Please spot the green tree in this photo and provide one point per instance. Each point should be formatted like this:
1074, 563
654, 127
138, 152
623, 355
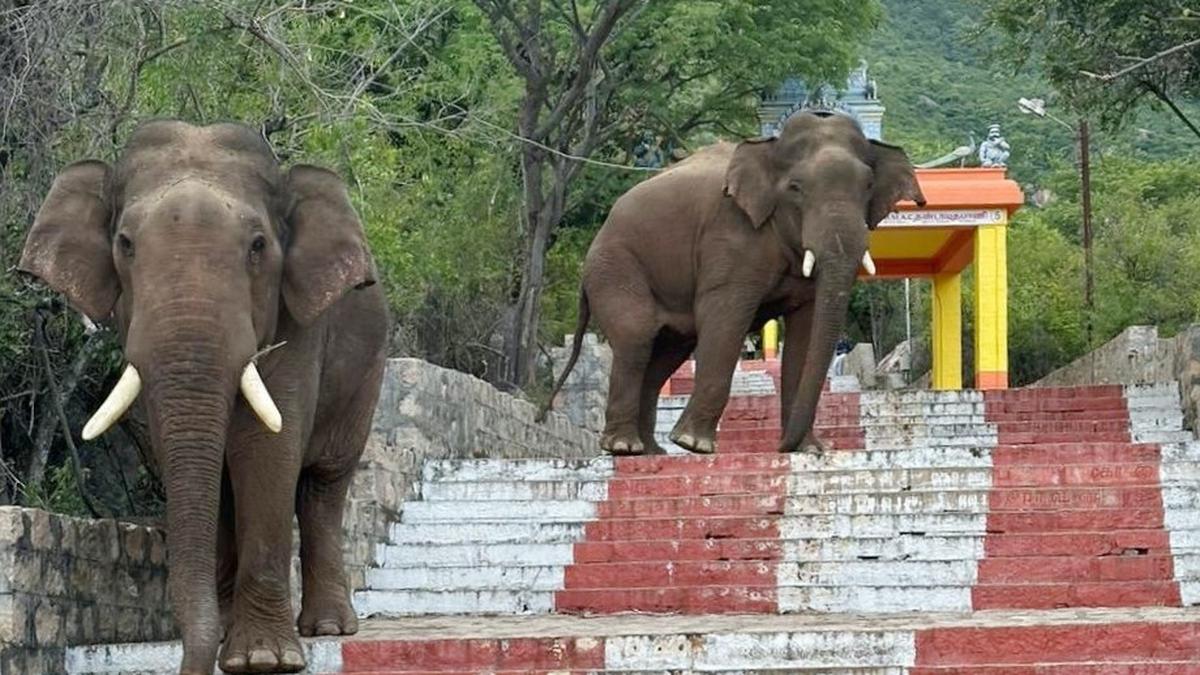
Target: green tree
595, 75
1106, 56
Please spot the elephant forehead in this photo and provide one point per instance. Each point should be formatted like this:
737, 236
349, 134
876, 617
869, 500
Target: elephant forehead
227, 157
190, 202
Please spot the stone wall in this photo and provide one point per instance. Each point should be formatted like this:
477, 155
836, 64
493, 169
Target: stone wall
1139, 356
584, 395
427, 412
69, 581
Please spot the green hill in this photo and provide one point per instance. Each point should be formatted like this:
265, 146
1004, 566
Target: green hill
939, 84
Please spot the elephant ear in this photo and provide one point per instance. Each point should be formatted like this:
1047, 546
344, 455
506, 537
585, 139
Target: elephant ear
895, 180
327, 253
750, 179
69, 247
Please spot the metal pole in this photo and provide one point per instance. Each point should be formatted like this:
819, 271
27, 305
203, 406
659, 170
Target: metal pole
907, 330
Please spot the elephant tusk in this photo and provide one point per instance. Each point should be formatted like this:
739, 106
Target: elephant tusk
118, 401
809, 261
260, 399
868, 264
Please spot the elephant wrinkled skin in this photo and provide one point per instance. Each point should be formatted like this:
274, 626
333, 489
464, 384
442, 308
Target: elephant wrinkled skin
713, 247
203, 252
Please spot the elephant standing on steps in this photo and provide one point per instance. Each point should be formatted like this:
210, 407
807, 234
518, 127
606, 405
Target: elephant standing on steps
695, 257
204, 252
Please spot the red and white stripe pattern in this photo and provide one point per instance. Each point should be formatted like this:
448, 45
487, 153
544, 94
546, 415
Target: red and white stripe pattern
1073, 514
931, 501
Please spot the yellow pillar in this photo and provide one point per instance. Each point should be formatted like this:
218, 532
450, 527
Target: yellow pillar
947, 331
770, 339
991, 307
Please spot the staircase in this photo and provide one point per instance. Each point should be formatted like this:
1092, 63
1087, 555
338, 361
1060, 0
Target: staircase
1048, 531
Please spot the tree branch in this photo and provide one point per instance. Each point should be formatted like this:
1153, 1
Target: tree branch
1143, 62
1162, 96
585, 64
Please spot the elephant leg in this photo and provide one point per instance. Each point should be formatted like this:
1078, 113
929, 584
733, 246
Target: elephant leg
263, 469
325, 608
621, 434
626, 310
668, 355
722, 331
797, 328
226, 553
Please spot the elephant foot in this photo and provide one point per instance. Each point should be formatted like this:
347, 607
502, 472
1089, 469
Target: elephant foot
257, 647
615, 444
693, 443
332, 615
810, 445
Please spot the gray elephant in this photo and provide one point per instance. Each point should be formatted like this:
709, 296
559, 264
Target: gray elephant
695, 257
204, 252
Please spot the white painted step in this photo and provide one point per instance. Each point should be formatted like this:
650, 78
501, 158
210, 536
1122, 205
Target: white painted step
492, 577
875, 599
501, 531
424, 602
816, 482
817, 548
435, 555
497, 531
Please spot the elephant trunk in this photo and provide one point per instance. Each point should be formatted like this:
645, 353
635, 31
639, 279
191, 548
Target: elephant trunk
191, 385
835, 279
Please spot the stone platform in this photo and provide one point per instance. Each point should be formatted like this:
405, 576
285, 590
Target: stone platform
1145, 641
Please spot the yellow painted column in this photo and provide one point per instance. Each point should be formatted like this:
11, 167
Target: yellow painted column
947, 331
991, 307
770, 339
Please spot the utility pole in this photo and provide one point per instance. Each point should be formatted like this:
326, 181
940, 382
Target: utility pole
1085, 177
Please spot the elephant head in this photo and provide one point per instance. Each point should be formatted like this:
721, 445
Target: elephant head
823, 186
202, 249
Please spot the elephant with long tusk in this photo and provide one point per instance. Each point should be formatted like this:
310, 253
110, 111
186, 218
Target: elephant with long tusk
695, 257
200, 249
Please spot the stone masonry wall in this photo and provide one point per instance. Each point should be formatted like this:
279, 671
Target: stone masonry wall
584, 395
66, 581
1139, 356
427, 412
69, 581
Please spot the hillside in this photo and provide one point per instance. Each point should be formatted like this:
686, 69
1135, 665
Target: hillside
938, 84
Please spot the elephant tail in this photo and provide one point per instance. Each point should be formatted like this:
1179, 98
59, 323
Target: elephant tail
585, 315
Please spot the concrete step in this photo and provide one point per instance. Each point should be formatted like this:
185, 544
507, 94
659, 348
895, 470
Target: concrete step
602, 468
822, 481
917, 500
755, 527
1130, 640
815, 482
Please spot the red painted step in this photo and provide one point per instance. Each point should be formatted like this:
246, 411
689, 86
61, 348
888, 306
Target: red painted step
1012, 649
693, 600
1158, 567
669, 574
1075, 593
1075, 514
680, 465
711, 550
478, 655
682, 535
720, 527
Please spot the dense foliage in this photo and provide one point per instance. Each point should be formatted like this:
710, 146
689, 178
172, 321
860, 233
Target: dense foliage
416, 103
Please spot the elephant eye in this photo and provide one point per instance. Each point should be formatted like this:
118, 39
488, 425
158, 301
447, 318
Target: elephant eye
256, 247
794, 186
125, 244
